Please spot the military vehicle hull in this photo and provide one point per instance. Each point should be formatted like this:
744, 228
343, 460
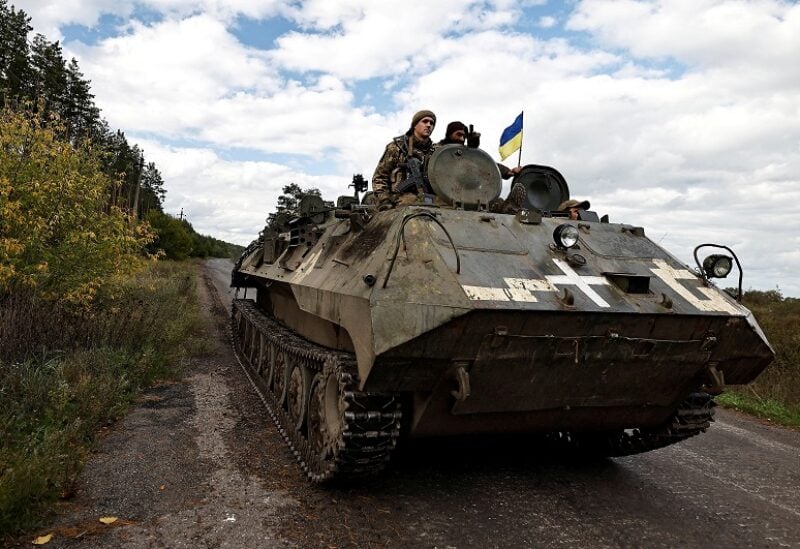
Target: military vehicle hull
426, 321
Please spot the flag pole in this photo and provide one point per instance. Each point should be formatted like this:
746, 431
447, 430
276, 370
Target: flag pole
521, 139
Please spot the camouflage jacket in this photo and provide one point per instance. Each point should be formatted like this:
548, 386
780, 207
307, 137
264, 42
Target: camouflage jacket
394, 157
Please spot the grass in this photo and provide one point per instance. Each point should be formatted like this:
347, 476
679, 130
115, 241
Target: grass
58, 390
771, 409
775, 394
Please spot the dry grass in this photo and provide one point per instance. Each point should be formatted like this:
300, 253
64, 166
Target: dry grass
64, 373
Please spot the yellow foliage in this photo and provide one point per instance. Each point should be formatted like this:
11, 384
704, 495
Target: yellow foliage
59, 232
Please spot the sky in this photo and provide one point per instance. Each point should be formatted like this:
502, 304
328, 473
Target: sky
680, 116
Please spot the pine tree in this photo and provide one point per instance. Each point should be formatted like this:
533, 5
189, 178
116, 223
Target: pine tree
49, 76
15, 70
152, 190
82, 117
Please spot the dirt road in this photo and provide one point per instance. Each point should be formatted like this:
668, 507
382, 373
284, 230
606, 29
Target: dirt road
199, 464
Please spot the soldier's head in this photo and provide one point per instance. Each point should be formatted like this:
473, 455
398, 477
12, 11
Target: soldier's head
456, 132
422, 125
573, 207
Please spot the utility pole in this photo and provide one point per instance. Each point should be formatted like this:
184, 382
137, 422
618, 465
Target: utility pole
138, 185
180, 217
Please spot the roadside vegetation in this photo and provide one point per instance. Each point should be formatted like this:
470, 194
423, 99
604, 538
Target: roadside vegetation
775, 395
76, 370
89, 312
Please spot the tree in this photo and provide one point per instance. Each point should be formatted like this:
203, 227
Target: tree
49, 76
81, 115
15, 72
57, 235
152, 190
35, 76
290, 199
173, 238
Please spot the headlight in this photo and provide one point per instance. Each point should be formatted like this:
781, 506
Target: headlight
717, 266
565, 235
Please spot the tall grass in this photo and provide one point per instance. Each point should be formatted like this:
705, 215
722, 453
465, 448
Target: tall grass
775, 394
66, 372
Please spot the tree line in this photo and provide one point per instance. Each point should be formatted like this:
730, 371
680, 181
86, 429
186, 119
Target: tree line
55, 100
36, 78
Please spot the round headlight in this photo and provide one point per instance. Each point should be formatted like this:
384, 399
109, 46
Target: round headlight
717, 266
565, 235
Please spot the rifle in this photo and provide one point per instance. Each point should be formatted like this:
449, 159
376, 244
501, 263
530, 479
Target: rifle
414, 180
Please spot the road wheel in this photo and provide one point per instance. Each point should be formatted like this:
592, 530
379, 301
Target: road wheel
325, 418
279, 378
297, 394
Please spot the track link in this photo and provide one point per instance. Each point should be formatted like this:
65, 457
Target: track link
692, 417
346, 433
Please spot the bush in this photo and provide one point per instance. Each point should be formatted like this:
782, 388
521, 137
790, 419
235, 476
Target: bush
776, 392
55, 401
59, 232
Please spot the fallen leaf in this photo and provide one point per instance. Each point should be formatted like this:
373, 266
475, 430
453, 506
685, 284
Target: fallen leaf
108, 520
41, 540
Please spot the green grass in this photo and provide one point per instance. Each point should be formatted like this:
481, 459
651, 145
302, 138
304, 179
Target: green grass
770, 408
55, 402
775, 394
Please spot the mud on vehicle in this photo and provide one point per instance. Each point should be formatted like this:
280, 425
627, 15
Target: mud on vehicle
442, 318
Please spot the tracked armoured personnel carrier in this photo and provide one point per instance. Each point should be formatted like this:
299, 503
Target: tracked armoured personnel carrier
442, 318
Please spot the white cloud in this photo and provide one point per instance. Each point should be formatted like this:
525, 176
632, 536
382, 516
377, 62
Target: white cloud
48, 16
229, 200
547, 22
683, 117
162, 77
705, 33
360, 39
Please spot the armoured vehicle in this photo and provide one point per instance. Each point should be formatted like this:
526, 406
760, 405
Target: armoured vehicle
442, 317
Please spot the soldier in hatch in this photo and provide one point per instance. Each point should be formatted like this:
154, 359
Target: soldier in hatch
457, 133
394, 167
574, 208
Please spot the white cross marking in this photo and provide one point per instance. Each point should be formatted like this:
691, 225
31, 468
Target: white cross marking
582, 282
671, 276
521, 289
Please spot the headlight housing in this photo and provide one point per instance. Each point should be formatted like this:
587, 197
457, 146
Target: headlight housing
565, 236
717, 266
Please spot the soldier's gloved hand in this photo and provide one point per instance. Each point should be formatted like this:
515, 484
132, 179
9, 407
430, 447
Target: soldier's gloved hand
474, 140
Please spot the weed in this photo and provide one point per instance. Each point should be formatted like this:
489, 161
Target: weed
775, 394
81, 371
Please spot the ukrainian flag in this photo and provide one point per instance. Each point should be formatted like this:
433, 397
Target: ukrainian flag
511, 140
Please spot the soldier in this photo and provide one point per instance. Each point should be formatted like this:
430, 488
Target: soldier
457, 133
394, 167
574, 207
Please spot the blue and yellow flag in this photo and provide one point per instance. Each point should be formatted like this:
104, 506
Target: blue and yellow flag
511, 140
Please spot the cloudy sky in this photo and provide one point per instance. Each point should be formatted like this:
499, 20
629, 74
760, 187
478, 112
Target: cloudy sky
682, 116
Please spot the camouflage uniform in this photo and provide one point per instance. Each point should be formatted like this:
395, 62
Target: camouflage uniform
394, 158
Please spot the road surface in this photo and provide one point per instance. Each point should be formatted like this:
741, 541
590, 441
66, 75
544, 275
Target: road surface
199, 464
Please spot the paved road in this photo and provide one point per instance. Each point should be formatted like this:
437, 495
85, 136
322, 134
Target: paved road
198, 464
